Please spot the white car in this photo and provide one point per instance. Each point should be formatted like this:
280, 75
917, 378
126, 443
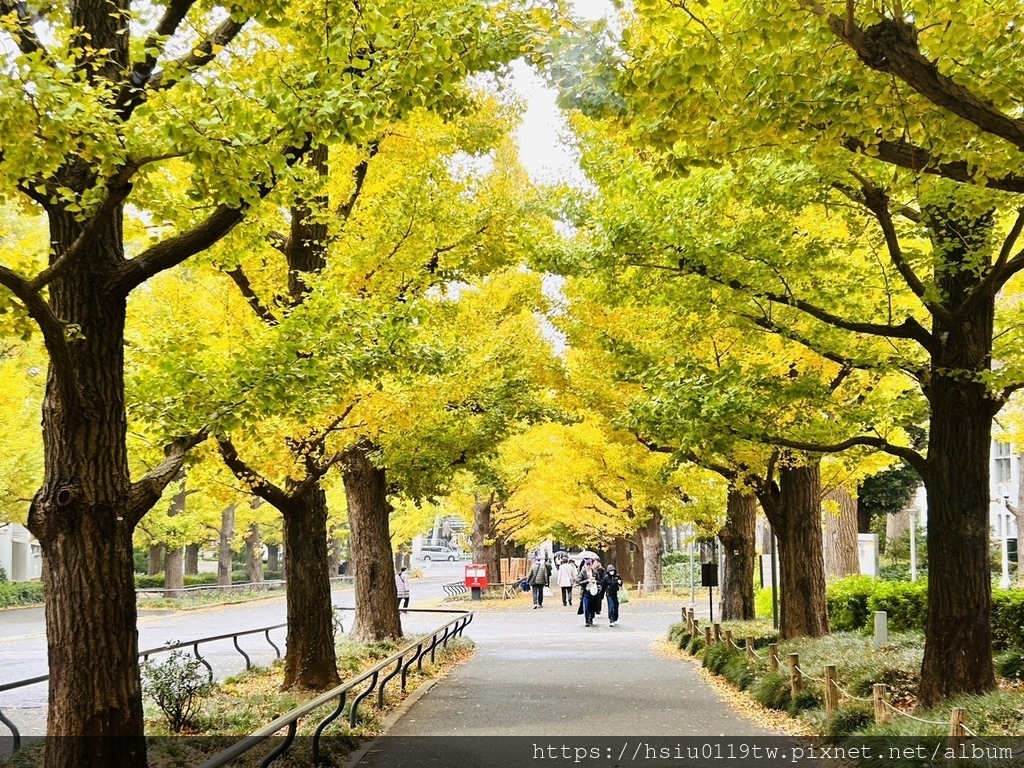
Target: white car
438, 553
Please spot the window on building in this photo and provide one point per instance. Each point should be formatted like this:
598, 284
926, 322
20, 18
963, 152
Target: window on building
1002, 463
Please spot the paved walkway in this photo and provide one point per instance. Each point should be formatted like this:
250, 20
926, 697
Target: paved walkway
543, 686
541, 674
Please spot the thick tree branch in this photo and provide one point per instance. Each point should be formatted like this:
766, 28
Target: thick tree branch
118, 189
133, 92
877, 201
907, 155
909, 329
53, 331
1002, 269
245, 287
142, 81
262, 487
143, 494
890, 46
912, 457
359, 181
184, 245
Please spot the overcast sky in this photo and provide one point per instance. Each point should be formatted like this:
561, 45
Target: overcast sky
542, 149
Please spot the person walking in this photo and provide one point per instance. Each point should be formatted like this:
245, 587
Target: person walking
589, 579
402, 586
611, 583
567, 579
538, 578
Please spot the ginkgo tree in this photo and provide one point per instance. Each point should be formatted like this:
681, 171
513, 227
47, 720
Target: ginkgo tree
97, 99
903, 119
711, 391
592, 484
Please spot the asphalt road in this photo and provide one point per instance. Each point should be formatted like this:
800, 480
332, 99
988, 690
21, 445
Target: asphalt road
23, 637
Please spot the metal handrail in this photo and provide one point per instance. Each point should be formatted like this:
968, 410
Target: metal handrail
291, 719
144, 655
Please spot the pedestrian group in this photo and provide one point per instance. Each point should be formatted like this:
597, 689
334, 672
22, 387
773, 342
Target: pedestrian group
596, 584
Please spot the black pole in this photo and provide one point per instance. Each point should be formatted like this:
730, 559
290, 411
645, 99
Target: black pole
711, 606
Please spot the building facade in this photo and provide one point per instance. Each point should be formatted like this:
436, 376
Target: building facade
20, 554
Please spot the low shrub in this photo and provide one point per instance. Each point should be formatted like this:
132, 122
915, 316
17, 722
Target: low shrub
905, 603
849, 718
696, 645
177, 686
1008, 618
1010, 664
716, 657
15, 593
848, 602
740, 672
772, 690
803, 701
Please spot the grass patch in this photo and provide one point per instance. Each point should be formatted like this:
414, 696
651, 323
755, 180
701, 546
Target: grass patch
858, 667
244, 703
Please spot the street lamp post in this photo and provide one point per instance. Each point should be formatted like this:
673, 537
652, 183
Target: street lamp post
1004, 525
913, 543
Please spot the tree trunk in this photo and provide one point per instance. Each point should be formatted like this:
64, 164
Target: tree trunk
174, 562
85, 512
156, 560
192, 560
622, 557
254, 555
485, 548
840, 544
738, 552
334, 557
310, 661
652, 548
377, 615
174, 572
227, 534
273, 561
794, 510
958, 635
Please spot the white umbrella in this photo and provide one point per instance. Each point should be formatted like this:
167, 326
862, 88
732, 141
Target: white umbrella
584, 555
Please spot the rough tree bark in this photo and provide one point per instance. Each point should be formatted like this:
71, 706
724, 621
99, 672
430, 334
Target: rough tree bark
174, 562
191, 559
793, 507
156, 560
652, 547
273, 557
227, 534
486, 549
369, 511
622, 557
310, 661
738, 552
840, 532
254, 555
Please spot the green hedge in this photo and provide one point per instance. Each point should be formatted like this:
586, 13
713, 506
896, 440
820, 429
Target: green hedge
200, 579
1008, 618
852, 602
14, 593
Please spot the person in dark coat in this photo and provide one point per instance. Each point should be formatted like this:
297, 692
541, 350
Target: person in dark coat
611, 583
590, 579
538, 578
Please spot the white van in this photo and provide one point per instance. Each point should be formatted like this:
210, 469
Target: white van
428, 553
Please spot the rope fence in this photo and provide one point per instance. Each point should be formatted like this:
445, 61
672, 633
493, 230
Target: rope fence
884, 710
